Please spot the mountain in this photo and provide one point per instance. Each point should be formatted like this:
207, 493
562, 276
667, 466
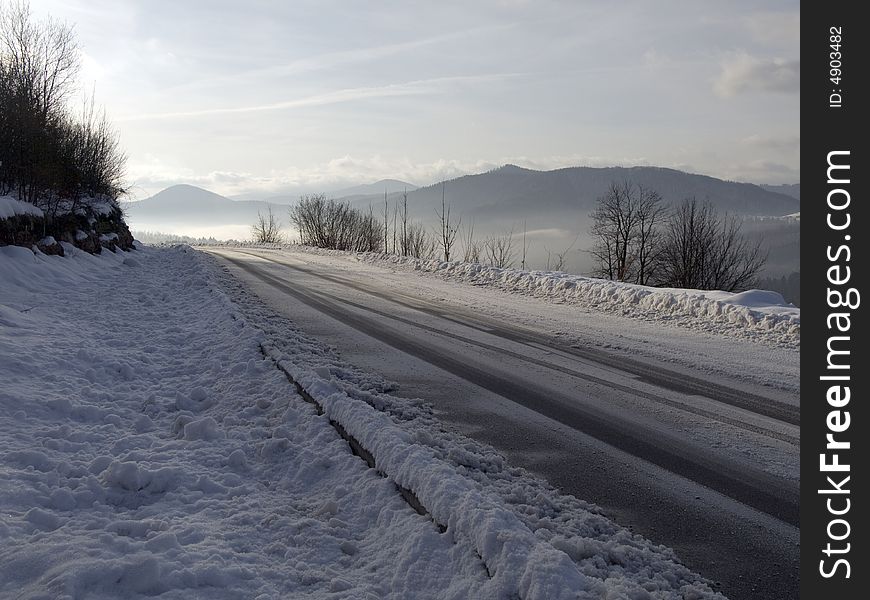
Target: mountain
390, 185
290, 195
190, 210
517, 192
348, 193
553, 207
789, 189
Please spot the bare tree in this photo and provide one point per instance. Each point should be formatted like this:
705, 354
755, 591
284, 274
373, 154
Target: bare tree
703, 250
625, 225
39, 63
557, 261
525, 248
499, 250
651, 212
448, 229
267, 229
96, 152
386, 224
420, 245
47, 155
368, 238
470, 248
395, 228
42, 58
404, 243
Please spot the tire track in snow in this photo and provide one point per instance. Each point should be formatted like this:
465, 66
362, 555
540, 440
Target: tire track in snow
762, 491
795, 441
678, 382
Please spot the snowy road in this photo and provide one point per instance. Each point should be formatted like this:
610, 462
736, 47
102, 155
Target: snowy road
687, 438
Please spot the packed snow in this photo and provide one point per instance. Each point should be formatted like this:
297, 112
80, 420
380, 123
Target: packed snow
152, 443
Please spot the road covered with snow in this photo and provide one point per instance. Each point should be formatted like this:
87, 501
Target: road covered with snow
152, 443
685, 432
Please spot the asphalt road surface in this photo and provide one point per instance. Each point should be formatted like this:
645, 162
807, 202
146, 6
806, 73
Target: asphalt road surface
642, 441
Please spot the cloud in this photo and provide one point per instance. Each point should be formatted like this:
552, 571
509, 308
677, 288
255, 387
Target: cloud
153, 175
262, 75
763, 171
745, 73
409, 88
783, 28
344, 171
337, 58
335, 97
653, 59
150, 177
773, 142
552, 232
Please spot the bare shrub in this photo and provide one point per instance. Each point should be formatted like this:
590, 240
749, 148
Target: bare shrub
267, 229
499, 250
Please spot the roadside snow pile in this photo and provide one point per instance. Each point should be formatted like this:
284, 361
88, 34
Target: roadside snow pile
149, 447
754, 314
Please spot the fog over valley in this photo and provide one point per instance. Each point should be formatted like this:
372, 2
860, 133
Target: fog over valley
553, 207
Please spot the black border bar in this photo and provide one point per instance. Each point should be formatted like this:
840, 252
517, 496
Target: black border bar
835, 226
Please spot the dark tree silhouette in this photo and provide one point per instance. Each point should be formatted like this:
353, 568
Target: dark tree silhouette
48, 156
330, 224
702, 250
625, 227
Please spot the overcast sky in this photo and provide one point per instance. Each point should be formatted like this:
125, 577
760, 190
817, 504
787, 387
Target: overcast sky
252, 96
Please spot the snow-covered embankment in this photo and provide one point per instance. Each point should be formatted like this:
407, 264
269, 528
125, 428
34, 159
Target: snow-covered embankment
756, 314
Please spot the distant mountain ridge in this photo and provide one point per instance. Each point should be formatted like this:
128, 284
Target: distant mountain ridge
190, 202
292, 196
553, 207
511, 190
789, 189
190, 210
391, 186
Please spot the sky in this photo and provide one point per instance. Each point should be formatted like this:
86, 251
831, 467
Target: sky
262, 98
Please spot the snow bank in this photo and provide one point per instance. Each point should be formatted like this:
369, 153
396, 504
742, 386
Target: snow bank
10, 207
521, 564
757, 314
149, 447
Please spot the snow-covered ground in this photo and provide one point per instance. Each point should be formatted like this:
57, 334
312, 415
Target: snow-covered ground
150, 444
